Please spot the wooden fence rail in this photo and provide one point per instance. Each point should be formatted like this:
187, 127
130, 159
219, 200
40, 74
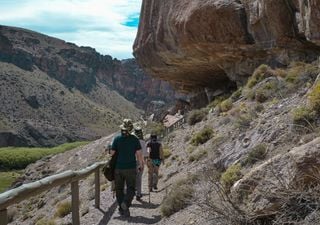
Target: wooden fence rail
174, 126
68, 177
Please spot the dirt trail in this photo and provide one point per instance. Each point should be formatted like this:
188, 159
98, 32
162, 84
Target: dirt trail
142, 212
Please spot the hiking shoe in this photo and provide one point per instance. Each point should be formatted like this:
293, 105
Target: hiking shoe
120, 211
124, 206
155, 188
125, 209
138, 197
126, 213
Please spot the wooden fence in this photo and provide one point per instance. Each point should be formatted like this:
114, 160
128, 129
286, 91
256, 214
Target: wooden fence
68, 177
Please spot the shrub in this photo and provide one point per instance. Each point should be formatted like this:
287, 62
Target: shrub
178, 198
300, 71
243, 121
198, 155
203, 136
258, 107
226, 105
303, 115
314, 97
215, 202
236, 95
45, 221
63, 209
217, 100
256, 153
261, 95
258, 75
266, 89
231, 175
166, 152
190, 149
196, 116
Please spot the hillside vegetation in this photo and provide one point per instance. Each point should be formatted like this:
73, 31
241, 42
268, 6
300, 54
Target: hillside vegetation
255, 165
15, 158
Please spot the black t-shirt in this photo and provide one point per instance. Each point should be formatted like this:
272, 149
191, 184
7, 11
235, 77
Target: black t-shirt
154, 149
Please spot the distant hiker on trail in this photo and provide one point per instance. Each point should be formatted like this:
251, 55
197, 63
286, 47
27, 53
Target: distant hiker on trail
128, 149
155, 151
138, 132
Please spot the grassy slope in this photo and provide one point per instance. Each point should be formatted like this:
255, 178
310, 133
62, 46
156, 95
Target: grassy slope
6, 179
13, 159
18, 158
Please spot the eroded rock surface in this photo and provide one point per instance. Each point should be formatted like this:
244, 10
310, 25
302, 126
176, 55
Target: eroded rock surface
213, 43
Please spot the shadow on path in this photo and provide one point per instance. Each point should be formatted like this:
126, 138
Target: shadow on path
146, 205
140, 219
108, 214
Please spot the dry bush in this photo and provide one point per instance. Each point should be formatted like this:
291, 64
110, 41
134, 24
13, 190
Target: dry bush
45, 221
179, 196
256, 154
258, 75
217, 205
303, 116
314, 98
297, 203
236, 95
243, 117
196, 116
300, 72
196, 156
230, 176
217, 100
63, 209
297, 200
203, 136
166, 152
226, 105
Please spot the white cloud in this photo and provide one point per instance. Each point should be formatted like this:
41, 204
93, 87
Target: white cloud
95, 23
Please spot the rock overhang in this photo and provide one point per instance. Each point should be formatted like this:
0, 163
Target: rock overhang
212, 43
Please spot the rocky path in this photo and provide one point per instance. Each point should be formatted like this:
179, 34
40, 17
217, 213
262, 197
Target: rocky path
142, 212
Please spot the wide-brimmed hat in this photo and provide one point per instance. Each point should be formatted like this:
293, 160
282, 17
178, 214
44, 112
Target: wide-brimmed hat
127, 125
138, 132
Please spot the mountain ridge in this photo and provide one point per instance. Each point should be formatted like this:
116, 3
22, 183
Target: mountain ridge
43, 116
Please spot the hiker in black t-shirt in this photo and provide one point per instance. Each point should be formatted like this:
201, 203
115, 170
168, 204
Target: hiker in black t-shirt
155, 151
128, 150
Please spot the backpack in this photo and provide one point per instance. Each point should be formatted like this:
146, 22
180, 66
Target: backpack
108, 169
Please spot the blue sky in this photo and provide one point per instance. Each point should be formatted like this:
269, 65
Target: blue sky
109, 26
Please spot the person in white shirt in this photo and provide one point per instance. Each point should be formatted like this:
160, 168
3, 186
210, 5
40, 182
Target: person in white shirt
139, 134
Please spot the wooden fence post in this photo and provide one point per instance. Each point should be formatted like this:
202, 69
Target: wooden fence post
97, 187
3, 217
75, 202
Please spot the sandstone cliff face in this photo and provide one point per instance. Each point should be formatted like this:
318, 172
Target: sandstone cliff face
53, 91
214, 43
